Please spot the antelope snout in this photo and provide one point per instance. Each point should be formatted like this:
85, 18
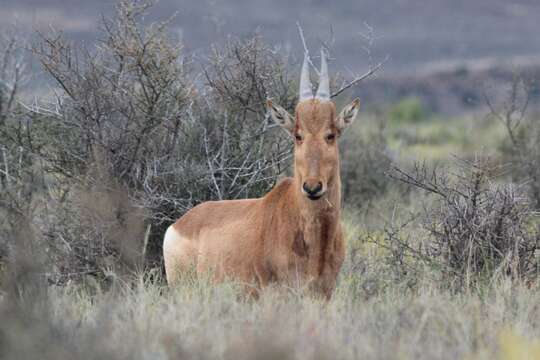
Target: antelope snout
313, 189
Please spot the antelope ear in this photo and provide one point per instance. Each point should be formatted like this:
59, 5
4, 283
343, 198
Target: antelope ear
280, 116
348, 114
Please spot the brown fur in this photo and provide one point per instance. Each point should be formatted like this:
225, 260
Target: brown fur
282, 237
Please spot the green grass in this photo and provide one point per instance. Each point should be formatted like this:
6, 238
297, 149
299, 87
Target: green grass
438, 139
435, 138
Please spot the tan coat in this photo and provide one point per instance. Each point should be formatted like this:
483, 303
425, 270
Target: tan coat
284, 237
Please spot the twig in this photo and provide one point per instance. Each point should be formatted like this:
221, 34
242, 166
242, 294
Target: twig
361, 77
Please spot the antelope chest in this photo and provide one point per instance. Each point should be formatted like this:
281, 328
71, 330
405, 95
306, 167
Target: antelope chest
303, 258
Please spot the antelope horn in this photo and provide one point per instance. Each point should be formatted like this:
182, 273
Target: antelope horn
323, 93
306, 92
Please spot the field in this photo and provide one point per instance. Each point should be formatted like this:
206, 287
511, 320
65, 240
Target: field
144, 320
377, 312
440, 213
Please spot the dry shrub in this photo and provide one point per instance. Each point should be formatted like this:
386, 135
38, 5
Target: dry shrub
521, 148
19, 178
95, 230
364, 163
131, 126
477, 228
244, 73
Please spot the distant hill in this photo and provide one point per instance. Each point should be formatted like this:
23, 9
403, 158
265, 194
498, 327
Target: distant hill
413, 32
445, 52
456, 88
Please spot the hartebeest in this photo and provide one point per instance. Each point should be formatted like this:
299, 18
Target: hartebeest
293, 234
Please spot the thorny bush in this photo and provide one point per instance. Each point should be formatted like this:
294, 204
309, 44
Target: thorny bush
477, 228
522, 145
131, 139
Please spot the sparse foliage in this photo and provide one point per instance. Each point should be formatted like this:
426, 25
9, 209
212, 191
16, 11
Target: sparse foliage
19, 177
364, 162
477, 228
131, 138
523, 134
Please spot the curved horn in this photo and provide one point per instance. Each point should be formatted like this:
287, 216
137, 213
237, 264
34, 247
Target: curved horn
306, 92
323, 93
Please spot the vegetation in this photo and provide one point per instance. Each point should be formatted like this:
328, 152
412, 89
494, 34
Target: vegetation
409, 110
476, 229
142, 319
442, 259
130, 143
522, 145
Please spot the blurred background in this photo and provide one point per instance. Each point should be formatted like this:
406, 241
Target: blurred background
427, 42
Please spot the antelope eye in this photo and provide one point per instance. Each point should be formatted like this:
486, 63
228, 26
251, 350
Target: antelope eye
330, 137
298, 137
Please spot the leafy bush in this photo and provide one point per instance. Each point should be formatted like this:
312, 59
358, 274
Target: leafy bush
408, 110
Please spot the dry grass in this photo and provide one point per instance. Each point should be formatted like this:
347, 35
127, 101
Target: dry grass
142, 319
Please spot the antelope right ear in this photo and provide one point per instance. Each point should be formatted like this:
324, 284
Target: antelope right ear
348, 114
280, 116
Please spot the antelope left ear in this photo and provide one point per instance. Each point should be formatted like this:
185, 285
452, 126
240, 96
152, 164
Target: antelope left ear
280, 116
348, 114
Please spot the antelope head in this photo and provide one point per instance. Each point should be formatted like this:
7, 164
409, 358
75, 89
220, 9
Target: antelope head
315, 128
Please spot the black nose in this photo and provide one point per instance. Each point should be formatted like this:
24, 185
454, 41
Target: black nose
312, 191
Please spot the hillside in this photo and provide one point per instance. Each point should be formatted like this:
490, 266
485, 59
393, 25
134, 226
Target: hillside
414, 33
454, 88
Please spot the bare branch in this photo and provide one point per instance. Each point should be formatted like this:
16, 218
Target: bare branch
360, 78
